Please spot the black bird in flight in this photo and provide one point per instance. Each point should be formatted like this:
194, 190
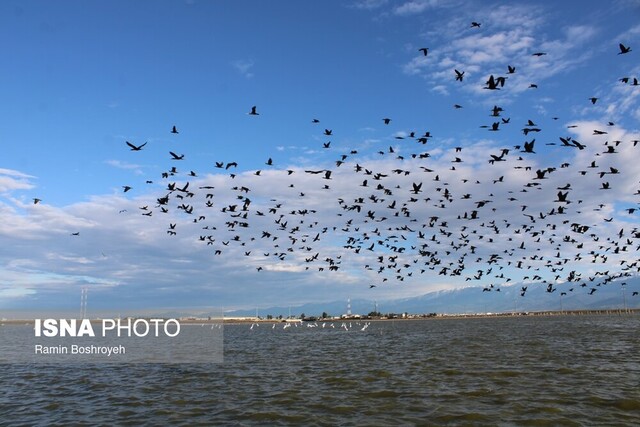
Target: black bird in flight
175, 156
528, 146
424, 50
623, 49
493, 83
459, 75
253, 111
135, 147
174, 130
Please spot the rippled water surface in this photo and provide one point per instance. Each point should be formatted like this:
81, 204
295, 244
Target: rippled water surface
563, 370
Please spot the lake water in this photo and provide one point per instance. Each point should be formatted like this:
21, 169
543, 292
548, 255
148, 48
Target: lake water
560, 370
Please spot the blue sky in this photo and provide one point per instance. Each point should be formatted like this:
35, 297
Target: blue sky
82, 78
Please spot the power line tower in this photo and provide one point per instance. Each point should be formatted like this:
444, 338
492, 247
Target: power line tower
83, 302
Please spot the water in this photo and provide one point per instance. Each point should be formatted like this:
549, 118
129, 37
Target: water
563, 370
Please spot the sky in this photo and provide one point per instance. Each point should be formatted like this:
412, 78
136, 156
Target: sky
81, 79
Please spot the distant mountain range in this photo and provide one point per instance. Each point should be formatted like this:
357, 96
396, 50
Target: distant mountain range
474, 300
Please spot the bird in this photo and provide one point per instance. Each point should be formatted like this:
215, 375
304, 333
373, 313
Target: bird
562, 197
459, 75
528, 146
135, 147
253, 111
175, 156
424, 50
174, 130
623, 49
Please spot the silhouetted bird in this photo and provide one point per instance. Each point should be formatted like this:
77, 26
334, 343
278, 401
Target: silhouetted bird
135, 147
623, 49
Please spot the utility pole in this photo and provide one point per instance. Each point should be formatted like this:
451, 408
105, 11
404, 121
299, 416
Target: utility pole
83, 302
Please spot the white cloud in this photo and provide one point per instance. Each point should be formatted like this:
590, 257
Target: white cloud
244, 67
11, 180
414, 7
369, 4
508, 36
119, 164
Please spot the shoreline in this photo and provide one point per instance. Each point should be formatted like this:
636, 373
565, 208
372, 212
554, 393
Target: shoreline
250, 320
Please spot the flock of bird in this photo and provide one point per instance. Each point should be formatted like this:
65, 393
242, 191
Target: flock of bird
416, 214
346, 326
